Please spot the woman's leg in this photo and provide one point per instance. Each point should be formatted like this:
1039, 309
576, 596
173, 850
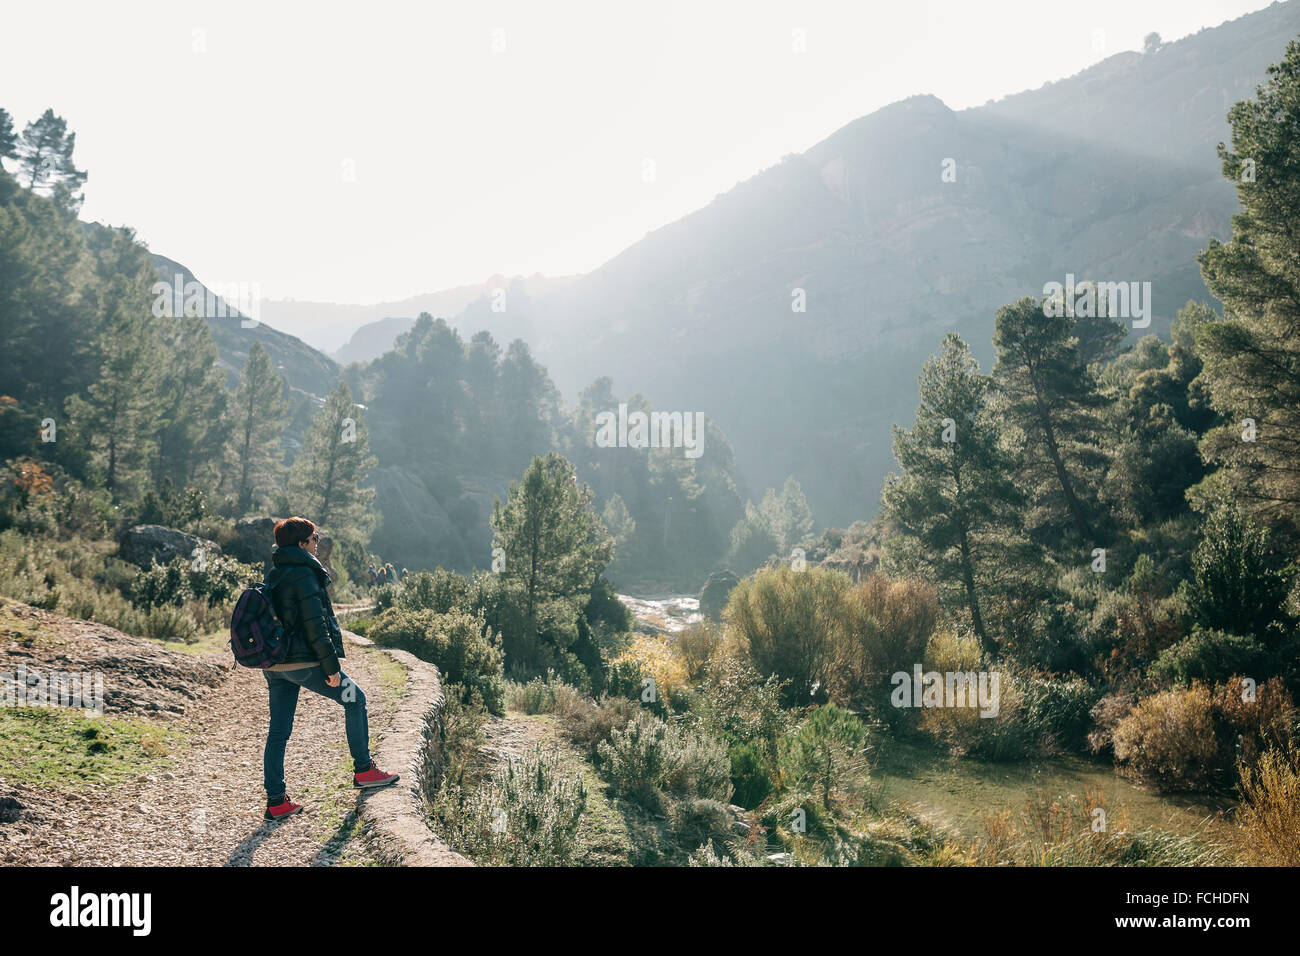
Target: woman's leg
283, 699
356, 722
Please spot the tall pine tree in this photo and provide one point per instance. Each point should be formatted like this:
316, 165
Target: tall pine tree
956, 497
258, 414
1048, 394
8, 139
115, 420
325, 481
555, 547
45, 163
192, 427
1252, 360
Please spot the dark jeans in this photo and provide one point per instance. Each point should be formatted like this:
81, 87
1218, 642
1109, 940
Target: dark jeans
283, 687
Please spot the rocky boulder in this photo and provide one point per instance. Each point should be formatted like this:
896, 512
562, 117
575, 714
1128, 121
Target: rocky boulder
415, 530
254, 538
146, 543
717, 589
324, 548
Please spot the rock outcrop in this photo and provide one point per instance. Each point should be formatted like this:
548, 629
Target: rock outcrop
146, 543
254, 538
415, 530
717, 588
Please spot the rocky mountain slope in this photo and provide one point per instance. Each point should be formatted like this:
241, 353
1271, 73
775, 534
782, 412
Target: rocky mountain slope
1110, 174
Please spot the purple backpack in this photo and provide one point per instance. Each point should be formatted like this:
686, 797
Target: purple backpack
256, 636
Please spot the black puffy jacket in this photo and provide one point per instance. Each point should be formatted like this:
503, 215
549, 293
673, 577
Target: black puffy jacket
299, 593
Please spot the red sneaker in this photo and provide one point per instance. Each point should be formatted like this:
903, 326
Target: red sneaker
283, 809
374, 777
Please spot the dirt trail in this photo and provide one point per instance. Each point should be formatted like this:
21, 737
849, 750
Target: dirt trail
511, 737
206, 808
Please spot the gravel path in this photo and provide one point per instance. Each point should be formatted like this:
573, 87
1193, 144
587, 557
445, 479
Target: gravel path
206, 810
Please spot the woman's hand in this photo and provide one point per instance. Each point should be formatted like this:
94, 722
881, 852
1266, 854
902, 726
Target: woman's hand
333, 679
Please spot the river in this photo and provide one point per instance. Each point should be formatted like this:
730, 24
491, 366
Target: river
956, 792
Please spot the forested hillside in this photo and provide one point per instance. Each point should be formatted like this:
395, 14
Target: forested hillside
1109, 175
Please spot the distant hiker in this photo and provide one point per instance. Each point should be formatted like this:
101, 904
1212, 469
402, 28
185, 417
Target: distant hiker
402, 576
299, 587
392, 572
374, 577
383, 575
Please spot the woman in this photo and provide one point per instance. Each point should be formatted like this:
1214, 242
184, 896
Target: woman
299, 592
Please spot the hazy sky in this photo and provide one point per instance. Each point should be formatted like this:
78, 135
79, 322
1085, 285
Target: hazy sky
358, 152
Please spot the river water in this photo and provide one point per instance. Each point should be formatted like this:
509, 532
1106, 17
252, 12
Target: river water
957, 792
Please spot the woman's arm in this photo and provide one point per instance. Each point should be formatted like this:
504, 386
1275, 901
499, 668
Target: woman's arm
311, 612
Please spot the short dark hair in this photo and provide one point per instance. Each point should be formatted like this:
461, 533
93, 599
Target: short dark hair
293, 531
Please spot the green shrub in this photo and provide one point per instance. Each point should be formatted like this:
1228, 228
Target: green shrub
829, 753
698, 766
1234, 582
789, 622
459, 643
696, 822
544, 696
592, 722
751, 775
1208, 655
648, 759
168, 623
177, 582
527, 815
740, 706
626, 677
385, 596
463, 719
1059, 712
221, 580
162, 584
442, 591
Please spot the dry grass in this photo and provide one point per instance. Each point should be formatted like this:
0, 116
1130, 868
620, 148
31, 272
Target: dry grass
1270, 807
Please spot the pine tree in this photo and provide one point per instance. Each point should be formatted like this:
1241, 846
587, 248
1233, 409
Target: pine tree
1048, 394
8, 139
555, 545
1236, 584
259, 414
788, 516
1252, 360
752, 541
115, 420
956, 496
44, 156
529, 405
622, 529
325, 482
192, 427
46, 295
